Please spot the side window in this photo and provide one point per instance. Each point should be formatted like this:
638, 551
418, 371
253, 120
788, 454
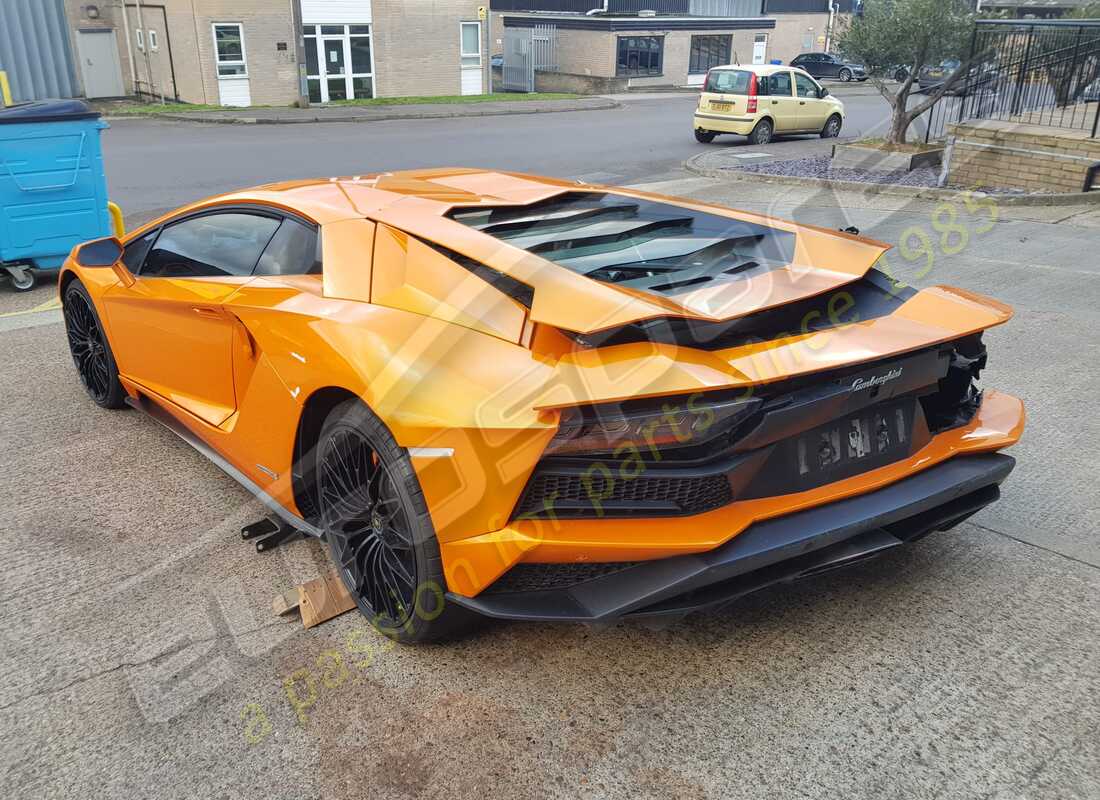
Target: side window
293, 250
779, 83
805, 86
213, 245
135, 251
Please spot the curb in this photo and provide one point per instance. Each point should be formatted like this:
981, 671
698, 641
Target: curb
213, 119
915, 192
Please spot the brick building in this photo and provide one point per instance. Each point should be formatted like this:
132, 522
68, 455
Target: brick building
243, 52
612, 45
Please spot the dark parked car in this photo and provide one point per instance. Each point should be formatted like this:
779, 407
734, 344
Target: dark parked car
981, 77
829, 65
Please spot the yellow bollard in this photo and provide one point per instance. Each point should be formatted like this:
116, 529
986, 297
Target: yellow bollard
116, 219
5, 88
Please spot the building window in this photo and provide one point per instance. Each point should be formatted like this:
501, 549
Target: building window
708, 52
229, 50
339, 64
640, 55
471, 44
140, 37
153, 41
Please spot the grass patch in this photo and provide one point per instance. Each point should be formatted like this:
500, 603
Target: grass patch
145, 109
497, 97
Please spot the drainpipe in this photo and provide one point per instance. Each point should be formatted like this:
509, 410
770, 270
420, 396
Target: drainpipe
829, 29
145, 41
129, 46
300, 52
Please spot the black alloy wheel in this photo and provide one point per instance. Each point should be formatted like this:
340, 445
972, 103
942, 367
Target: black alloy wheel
380, 534
367, 527
95, 363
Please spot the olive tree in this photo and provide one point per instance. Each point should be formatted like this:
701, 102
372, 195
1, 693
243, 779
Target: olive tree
913, 34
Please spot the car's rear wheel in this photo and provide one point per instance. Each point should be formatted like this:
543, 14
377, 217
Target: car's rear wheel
762, 133
91, 352
832, 127
704, 137
900, 75
379, 532
845, 75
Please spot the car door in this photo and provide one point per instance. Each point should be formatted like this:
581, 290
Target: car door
169, 330
782, 102
811, 63
829, 67
812, 110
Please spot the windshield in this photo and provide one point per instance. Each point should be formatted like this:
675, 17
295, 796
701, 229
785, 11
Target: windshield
655, 247
728, 81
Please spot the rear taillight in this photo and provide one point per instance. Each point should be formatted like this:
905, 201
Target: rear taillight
751, 108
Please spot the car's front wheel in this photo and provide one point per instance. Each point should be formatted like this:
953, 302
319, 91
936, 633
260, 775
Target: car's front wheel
901, 75
704, 137
832, 127
91, 352
380, 535
762, 133
845, 75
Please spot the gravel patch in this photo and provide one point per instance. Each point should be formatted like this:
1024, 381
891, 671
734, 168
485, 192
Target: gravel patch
821, 167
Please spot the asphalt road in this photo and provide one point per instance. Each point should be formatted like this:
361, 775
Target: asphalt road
141, 657
154, 166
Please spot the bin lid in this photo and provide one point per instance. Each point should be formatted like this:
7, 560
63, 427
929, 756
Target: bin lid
46, 111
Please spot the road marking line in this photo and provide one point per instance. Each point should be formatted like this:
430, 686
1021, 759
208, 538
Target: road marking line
49, 305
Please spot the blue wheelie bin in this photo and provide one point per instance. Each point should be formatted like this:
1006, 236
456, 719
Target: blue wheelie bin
53, 192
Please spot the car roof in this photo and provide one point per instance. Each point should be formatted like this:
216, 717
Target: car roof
759, 69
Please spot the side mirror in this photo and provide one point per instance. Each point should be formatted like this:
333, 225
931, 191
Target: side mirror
822, 93
103, 252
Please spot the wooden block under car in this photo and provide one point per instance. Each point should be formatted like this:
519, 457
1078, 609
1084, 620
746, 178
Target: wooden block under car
318, 600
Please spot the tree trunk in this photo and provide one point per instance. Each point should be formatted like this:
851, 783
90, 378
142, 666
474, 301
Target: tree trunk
899, 117
899, 124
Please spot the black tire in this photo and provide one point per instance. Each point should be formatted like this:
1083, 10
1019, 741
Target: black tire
832, 127
704, 137
845, 75
91, 352
380, 535
762, 133
901, 75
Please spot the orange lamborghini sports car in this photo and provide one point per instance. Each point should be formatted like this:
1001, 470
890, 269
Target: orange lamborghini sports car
501, 395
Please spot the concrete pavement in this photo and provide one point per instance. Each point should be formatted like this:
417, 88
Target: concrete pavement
141, 656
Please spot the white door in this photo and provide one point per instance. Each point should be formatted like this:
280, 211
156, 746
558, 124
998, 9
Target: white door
471, 57
759, 48
99, 64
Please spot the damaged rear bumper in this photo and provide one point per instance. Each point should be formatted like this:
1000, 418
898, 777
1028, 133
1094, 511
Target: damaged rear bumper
772, 551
